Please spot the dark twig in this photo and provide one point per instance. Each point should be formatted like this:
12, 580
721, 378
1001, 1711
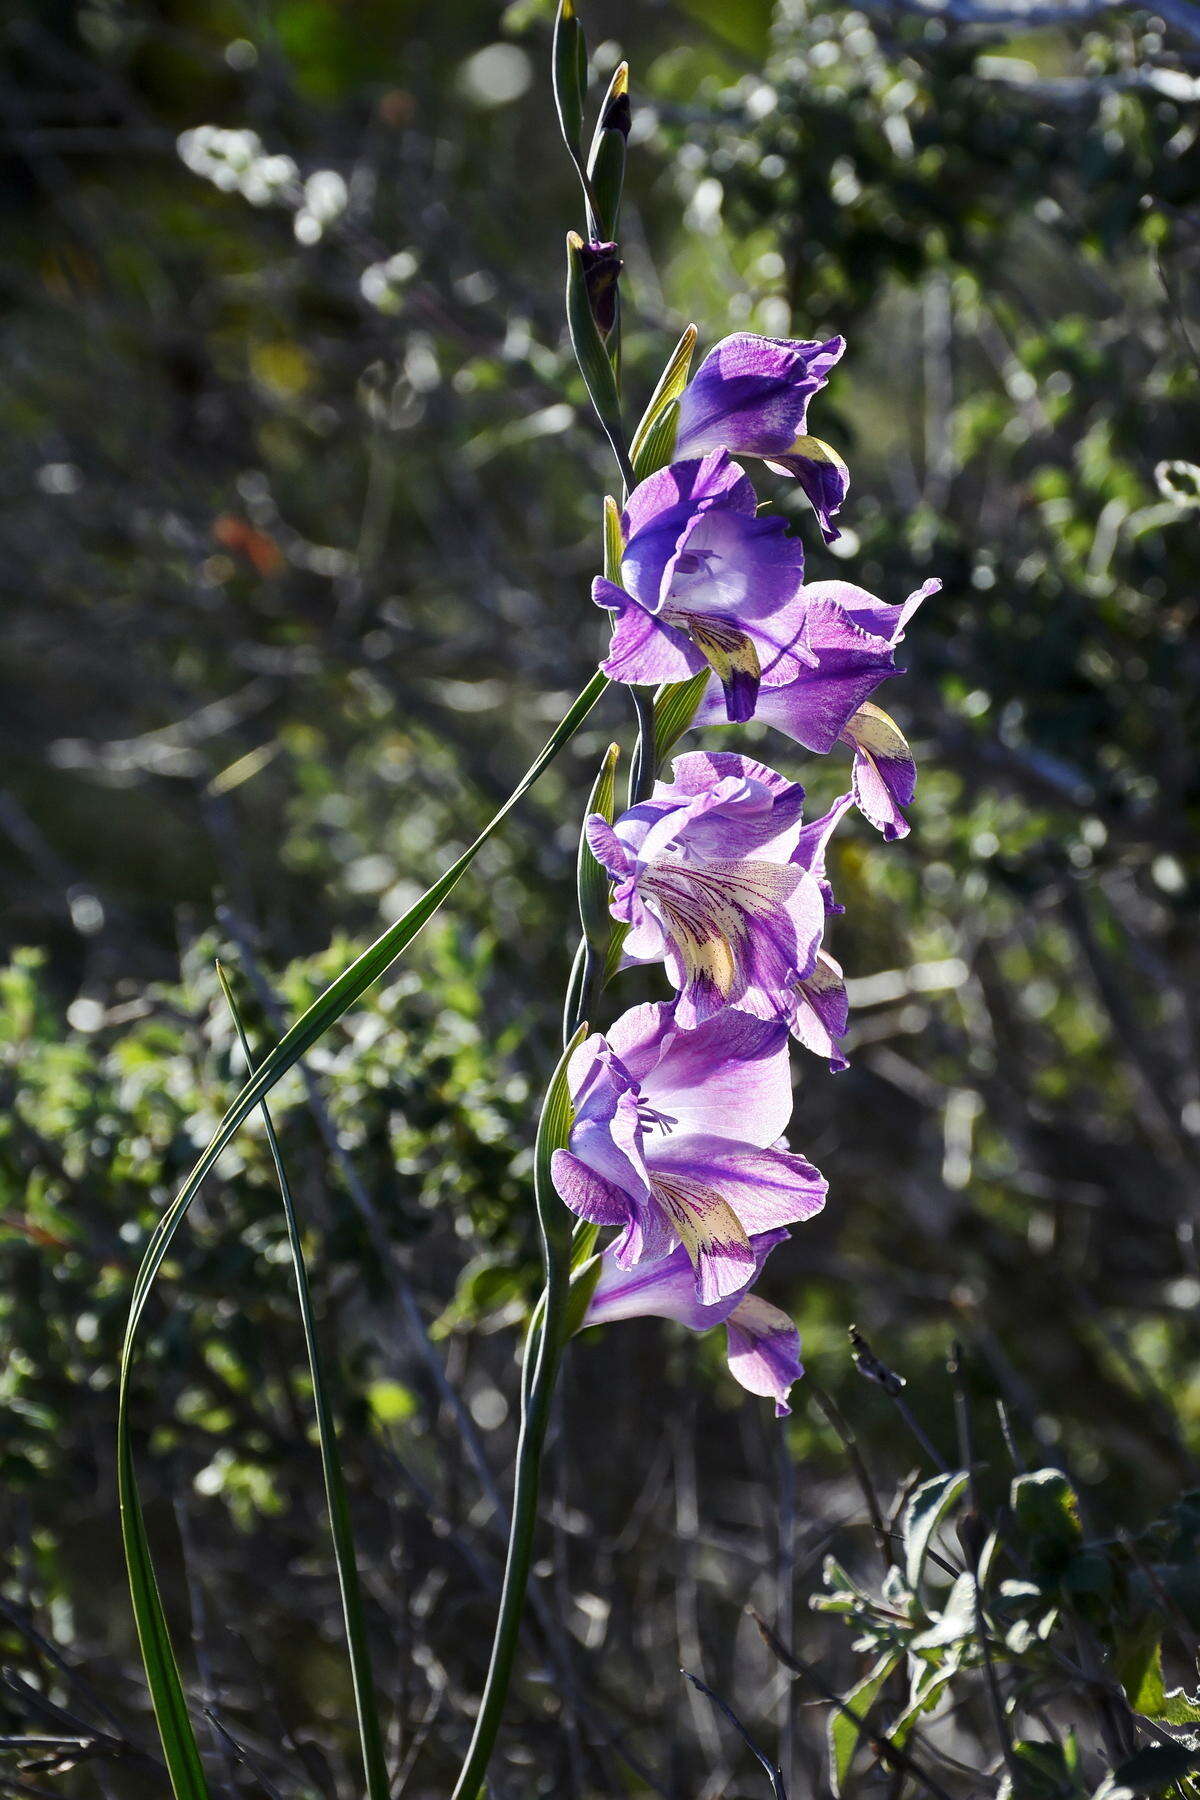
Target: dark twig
888, 1752
862, 1475
972, 1533
242, 1755
869, 1365
774, 1773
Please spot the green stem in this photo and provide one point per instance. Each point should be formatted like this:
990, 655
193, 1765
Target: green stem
543, 1350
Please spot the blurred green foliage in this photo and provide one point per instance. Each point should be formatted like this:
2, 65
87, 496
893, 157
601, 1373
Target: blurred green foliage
298, 510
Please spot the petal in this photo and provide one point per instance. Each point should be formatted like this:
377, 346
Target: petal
732, 928
763, 1350
643, 648
812, 847
606, 846
885, 774
663, 508
751, 393
730, 1070
821, 1013
588, 1195
729, 564
765, 1188
709, 1230
823, 476
666, 1289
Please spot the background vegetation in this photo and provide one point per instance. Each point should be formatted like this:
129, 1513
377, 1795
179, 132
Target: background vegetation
297, 520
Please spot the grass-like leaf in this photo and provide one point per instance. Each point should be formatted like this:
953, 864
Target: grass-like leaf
162, 1673
369, 1731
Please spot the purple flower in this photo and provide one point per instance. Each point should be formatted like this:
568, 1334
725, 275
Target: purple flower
705, 582
675, 1141
750, 395
852, 637
712, 876
763, 1346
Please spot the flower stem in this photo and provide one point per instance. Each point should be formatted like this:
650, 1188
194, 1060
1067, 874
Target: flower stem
543, 1350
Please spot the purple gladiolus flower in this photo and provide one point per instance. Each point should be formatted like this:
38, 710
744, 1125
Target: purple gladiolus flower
707, 877
705, 582
750, 395
763, 1345
675, 1141
852, 637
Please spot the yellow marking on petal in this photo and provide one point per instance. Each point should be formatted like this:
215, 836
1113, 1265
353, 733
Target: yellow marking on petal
818, 451
700, 1218
725, 649
825, 978
876, 732
706, 906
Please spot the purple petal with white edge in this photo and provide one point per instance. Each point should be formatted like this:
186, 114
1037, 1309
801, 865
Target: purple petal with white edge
648, 1237
751, 394
885, 774
666, 1289
763, 1351
763, 1188
731, 1069
664, 507
644, 649
820, 1013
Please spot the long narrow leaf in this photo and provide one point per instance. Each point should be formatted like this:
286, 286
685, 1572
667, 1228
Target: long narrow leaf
162, 1673
361, 1675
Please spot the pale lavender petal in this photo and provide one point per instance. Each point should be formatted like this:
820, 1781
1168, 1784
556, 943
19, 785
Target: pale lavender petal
607, 1129
731, 1069
751, 394
666, 1289
587, 1194
764, 1350
607, 847
764, 1188
812, 848
644, 649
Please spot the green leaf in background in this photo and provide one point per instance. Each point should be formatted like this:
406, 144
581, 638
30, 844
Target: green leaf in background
1046, 1513
1157, 1766
844, 1732
162, 1673
925, 1511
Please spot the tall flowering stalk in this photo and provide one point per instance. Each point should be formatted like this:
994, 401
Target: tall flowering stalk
663, 1126
666, 1128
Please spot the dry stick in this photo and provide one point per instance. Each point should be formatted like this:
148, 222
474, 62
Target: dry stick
868, 1364
887, 1751
240, 1754
857, 1461
774, 1773
971, 1544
